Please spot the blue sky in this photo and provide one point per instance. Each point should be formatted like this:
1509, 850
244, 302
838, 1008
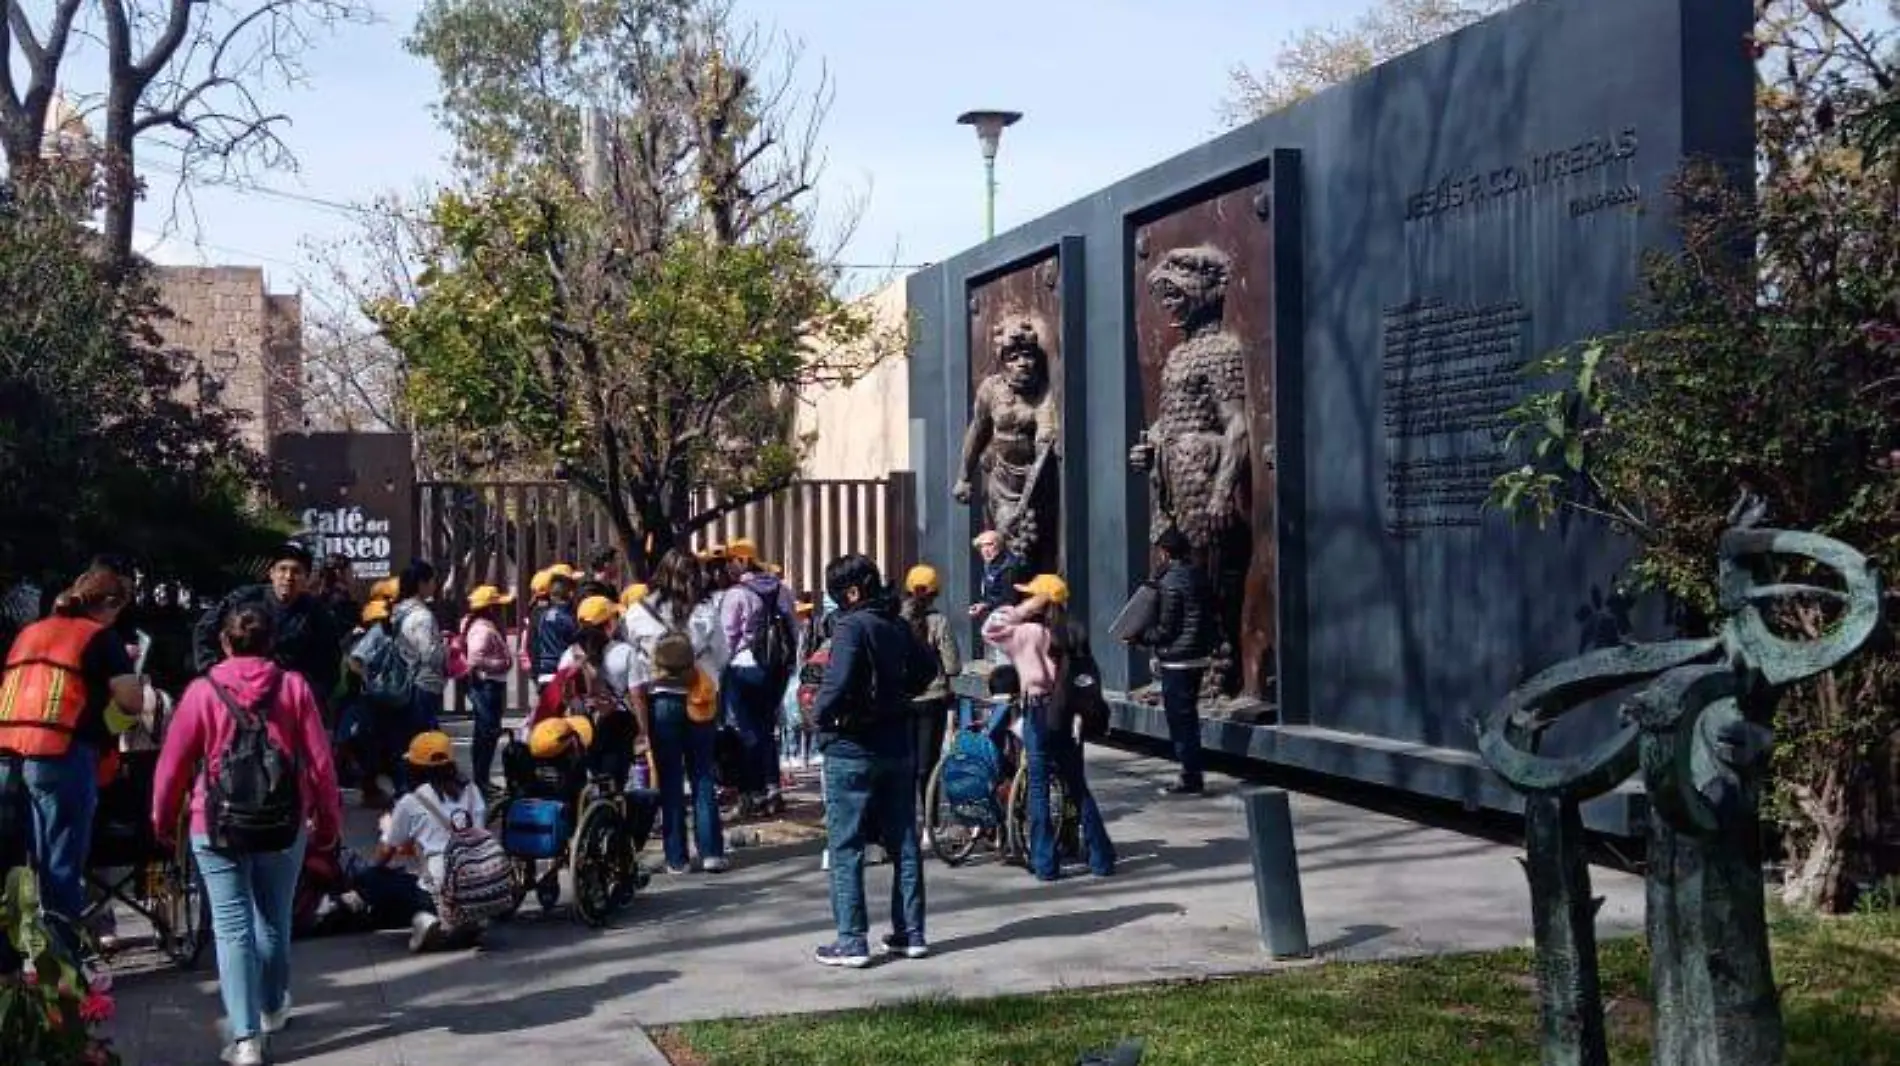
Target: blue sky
1108, 87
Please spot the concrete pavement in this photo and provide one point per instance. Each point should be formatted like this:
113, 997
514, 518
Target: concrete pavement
1180, 905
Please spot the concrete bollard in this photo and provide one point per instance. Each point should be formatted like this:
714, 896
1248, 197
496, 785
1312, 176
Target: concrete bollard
1276, 874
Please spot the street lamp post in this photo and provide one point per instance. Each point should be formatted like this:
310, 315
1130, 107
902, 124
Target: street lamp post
989, 131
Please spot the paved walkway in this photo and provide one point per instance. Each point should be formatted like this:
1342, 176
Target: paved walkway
1180, 905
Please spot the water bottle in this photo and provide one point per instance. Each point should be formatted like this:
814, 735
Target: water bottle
640, 775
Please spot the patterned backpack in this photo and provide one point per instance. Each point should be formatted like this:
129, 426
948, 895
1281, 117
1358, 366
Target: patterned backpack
477, 876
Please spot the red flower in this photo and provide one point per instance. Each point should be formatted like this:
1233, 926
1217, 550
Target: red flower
96, 1008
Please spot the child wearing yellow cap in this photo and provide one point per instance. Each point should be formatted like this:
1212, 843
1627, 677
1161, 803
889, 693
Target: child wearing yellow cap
1038, 638
417, 830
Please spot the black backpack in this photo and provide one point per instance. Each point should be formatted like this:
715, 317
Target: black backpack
1078, 692
252, 800
775, 646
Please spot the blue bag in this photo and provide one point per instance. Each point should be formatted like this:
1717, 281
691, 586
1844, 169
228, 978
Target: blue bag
535, 829
971, 770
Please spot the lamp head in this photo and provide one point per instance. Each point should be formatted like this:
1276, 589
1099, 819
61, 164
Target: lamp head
989, 127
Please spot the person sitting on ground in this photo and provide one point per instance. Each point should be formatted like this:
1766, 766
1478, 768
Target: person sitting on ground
418, 828
1037, 637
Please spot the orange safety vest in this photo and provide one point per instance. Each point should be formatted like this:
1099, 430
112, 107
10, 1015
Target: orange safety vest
44, 692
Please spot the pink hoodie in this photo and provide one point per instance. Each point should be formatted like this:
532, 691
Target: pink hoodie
1026, 642
202, 727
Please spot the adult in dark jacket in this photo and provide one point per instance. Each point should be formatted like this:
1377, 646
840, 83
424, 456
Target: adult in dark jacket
1003, 570
864, 717
307, 638
1182, 639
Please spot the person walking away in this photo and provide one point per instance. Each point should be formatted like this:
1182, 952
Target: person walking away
248, 746
758, 617
678, 649
62, 673
384, 697
1035, 636
1182, 639
931, 710
556, 631
419, 828
488, 665
864, 714
307, 637
419, 640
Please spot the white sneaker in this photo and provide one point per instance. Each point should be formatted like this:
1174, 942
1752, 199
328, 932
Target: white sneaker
824, 859
718, 864
277, 1021
246, 1052
425, 932
929, 843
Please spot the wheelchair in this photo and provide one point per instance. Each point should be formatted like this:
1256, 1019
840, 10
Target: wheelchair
979, 791
568, 813
127, 865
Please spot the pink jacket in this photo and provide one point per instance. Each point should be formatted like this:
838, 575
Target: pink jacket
488, 656
1026, 642
202, 727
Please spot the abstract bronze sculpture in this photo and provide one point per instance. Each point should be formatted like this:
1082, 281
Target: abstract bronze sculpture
1012, 443
1196, 452
1699, 732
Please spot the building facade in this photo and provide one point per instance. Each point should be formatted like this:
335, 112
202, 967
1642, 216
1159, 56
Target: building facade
242, 345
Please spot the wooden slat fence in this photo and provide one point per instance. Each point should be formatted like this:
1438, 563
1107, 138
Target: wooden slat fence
501, 532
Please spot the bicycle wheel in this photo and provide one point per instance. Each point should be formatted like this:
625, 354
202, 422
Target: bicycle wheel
953, 841
1018, 816
596, 851
187, 908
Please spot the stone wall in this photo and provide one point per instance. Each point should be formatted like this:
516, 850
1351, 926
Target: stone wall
244, 344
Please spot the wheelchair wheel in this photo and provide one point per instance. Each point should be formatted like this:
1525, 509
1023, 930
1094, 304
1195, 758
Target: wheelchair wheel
186, 908
603, 878
953, 841
521, 871
1018, 814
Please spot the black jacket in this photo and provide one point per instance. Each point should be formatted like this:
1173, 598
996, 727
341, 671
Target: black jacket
307, 638
1000, 579
1184, 623
553, 635
877, 667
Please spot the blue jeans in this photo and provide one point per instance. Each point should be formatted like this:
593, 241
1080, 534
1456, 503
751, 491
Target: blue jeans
754, 707
62, 795
487, 698
1061, 754
1180, 701
862, 786
251, 897
682, 748
392, 892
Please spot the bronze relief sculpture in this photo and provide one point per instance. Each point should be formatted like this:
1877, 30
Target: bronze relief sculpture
1195, 453
1012, 446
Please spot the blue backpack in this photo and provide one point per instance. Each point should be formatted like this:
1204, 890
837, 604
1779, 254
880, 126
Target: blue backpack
971, 769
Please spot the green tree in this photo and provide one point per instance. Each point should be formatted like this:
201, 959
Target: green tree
641, 315
1320, 57
1766, 359
97, 447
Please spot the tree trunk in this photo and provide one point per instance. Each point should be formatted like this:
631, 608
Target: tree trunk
120, 176
1819, 859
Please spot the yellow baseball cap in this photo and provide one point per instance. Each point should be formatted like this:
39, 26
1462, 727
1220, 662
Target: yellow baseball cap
546, 740
922, 578
563, 570
375, 611
1048, 586
632, 594
489, 596
431, 749
386, 589
743, 548
597, 611
582, 727
540, 583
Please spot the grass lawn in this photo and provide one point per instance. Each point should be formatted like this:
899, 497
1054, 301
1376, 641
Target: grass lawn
1840, 983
